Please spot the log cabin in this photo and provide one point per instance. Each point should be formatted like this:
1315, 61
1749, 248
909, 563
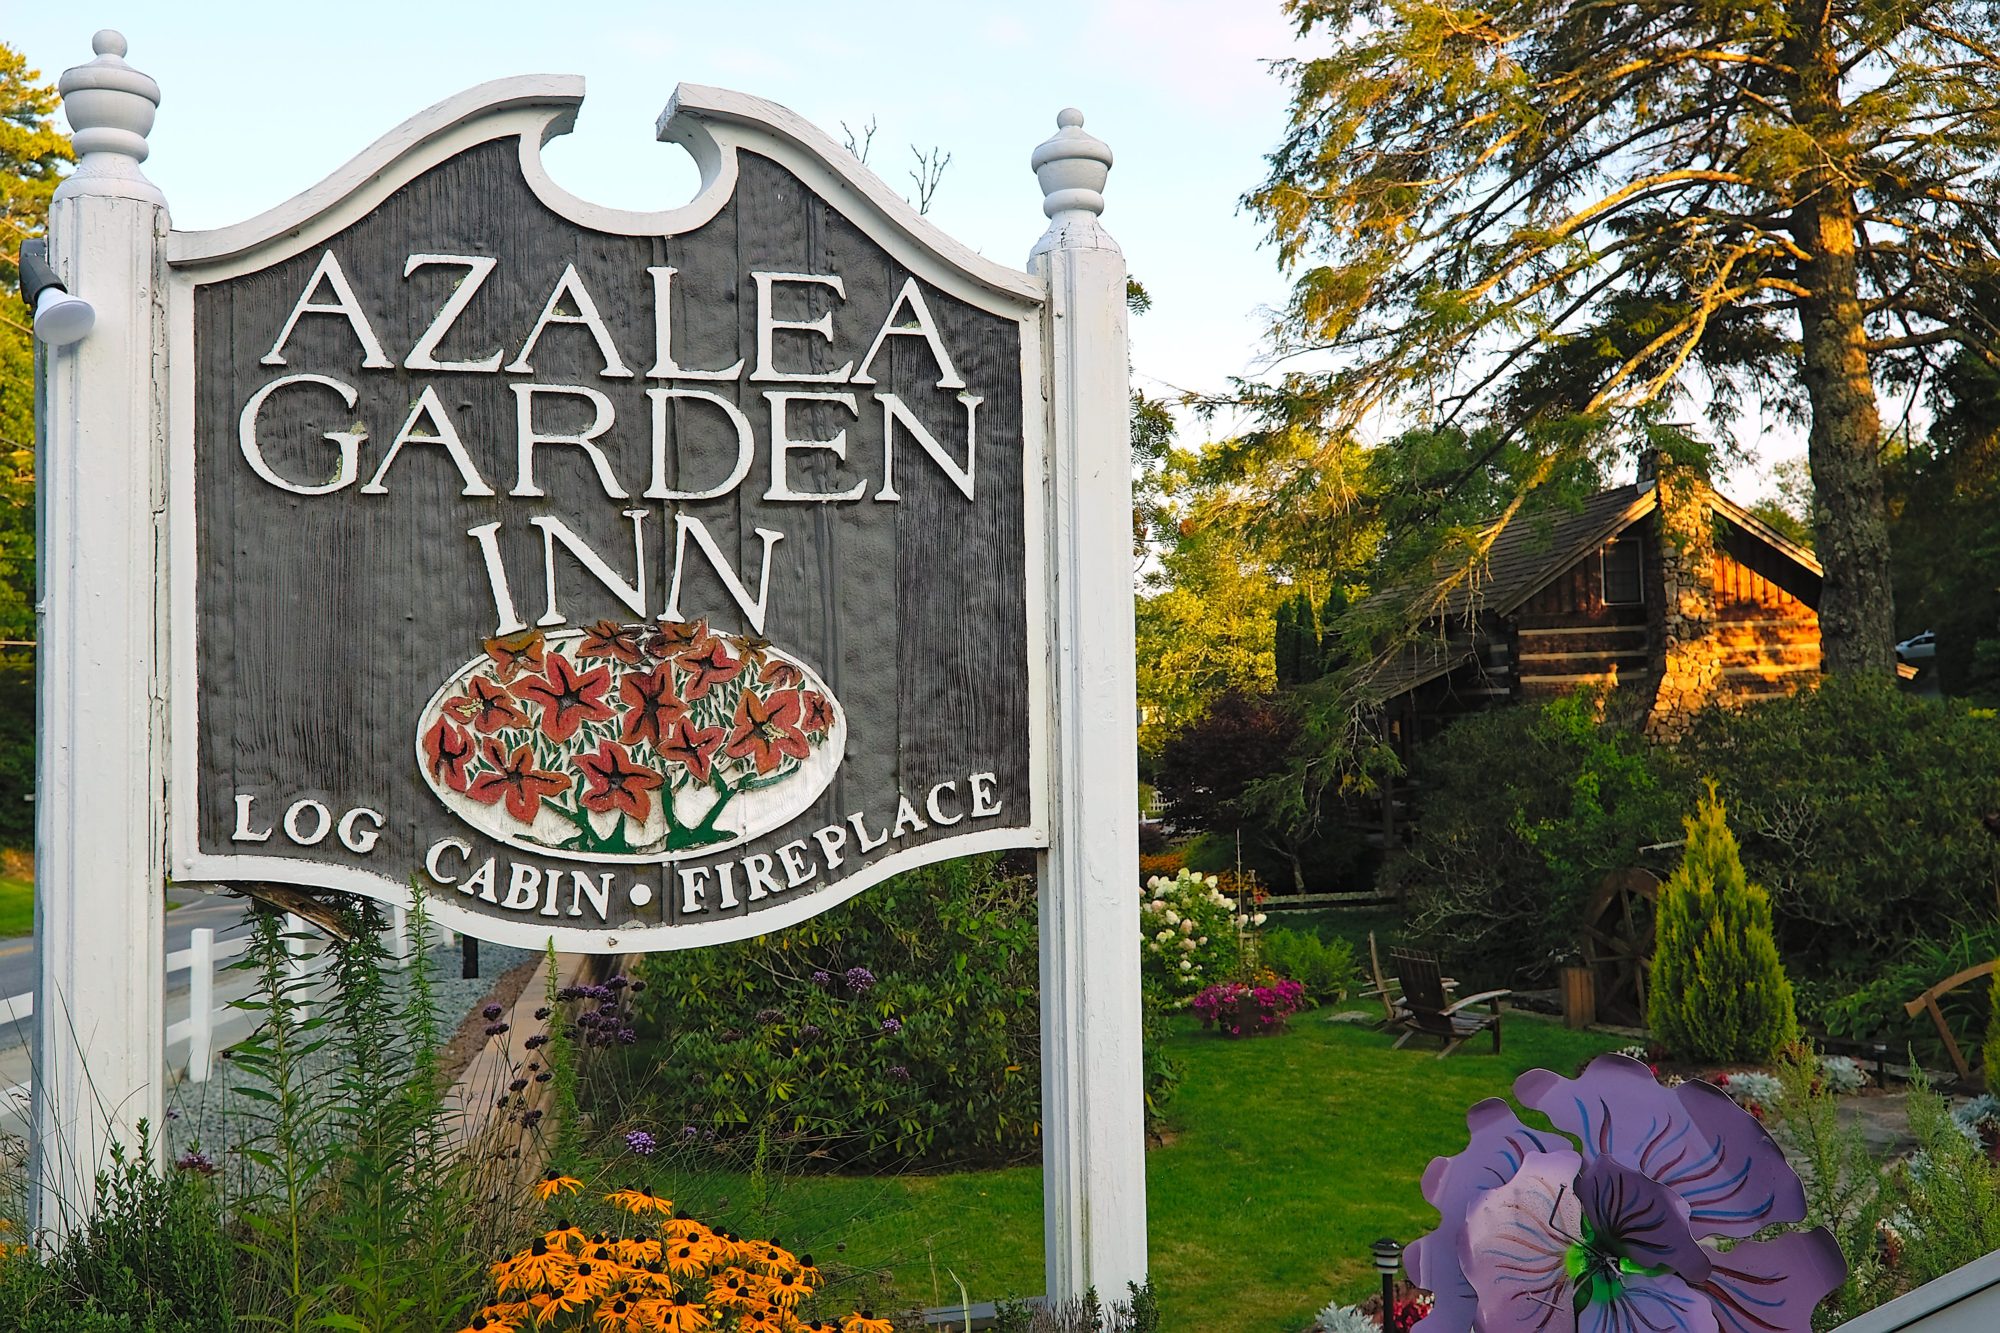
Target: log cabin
1668, 592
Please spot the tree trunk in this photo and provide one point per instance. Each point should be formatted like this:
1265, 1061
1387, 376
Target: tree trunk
1844, 448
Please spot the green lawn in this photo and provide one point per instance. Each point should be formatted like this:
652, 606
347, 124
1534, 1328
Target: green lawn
17, 907
1287, 1156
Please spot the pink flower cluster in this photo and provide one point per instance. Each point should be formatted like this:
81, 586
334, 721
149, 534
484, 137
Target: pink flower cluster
1237, 1009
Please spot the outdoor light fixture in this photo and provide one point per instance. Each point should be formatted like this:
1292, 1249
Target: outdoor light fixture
60, 319
1388, 1258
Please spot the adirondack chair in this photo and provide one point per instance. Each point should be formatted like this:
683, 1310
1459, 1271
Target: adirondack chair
1394, 1014
1429, 1012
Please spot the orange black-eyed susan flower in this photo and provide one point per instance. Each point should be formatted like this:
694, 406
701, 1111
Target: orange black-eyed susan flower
566, 1235
588, 1281
555, 1183
680, 1315
866, 1322
640, 1201
636, 1250
538, 1264
689, 1258
616, 1316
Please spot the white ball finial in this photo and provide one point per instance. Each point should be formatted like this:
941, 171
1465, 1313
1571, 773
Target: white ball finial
1072, 167
110, 108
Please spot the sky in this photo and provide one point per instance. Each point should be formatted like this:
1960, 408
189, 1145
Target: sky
260, 101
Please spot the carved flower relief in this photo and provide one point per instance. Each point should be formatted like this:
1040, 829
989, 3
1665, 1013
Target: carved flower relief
629, 740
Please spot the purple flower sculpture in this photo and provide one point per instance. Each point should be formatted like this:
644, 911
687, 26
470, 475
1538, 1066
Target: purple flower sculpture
1539, 1234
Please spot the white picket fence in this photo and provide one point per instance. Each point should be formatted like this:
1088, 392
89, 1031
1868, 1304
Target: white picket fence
204, 960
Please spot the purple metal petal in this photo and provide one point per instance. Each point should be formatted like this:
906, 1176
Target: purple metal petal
1639, 1219
1747, 1184
1772, 1286
1514, 1250
1647, 1304
1499, 1143
1693, 1140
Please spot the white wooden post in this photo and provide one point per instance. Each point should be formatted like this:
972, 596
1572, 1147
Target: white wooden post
399, 936
201, 1004
1093, 1113
99, 842
298, 966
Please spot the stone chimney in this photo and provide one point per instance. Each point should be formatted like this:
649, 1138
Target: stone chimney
1685, 658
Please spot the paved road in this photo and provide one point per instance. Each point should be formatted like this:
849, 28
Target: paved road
225, 914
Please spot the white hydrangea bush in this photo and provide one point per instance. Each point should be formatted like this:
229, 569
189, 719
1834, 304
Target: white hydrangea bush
1191, 933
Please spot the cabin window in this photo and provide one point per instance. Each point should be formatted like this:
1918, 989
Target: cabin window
1622, 586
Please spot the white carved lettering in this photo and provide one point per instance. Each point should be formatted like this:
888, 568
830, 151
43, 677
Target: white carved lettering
423, 356
348, 442
344, 304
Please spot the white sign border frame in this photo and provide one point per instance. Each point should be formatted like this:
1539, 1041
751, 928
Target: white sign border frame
712, 124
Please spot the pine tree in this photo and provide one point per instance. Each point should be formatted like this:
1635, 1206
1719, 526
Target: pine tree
1718, 989
1295, 637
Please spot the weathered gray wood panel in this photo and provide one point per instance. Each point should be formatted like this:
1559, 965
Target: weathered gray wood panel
325, 623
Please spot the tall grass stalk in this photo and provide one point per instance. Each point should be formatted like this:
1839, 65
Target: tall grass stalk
288, 1143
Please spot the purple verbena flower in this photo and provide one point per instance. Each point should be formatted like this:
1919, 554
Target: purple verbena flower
495, 1029
891, 1026
901, 1073
640, 1142
822, 979
492, 1011
690, 1132
859, 980
197, 1162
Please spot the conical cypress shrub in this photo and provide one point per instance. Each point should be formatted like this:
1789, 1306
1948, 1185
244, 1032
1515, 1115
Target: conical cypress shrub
1718, 989
1992, 1046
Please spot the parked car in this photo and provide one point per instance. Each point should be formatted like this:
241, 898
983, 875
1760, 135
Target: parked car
1917, 648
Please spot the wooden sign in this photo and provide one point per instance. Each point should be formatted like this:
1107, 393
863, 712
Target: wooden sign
636, 580
619, 581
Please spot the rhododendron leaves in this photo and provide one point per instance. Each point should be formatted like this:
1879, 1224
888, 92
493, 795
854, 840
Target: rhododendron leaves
1766, 1285
1692, 1139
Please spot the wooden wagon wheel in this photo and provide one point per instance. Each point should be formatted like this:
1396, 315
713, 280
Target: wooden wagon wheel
1618, 941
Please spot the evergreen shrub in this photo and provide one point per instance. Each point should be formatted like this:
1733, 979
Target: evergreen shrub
1718, 990
1991, 1050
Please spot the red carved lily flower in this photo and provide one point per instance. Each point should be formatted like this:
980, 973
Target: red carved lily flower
491, 707
514, 653
782, 674
673, 637
652, 707
815, 713
518, 781
568, 699
691, 746
615, 782
608, 638
768, 730
711, 665
449, 750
